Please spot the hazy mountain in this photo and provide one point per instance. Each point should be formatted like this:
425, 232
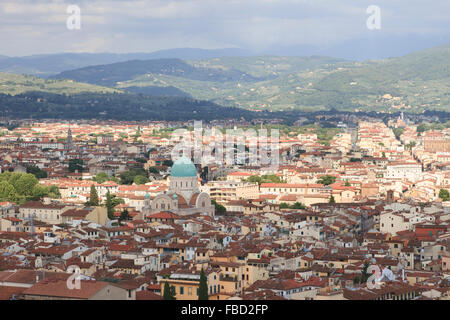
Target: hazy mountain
414, 82
374, 46
196, 53
51, 64
220, 70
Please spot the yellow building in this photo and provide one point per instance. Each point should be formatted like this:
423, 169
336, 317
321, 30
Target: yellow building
187, 283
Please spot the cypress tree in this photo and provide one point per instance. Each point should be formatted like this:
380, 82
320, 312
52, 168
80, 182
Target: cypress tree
124, 216
169, 292
203, 287
93, 198
109, 206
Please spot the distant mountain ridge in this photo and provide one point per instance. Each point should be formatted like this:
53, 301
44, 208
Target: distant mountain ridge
415, 82
113, 74
45, 65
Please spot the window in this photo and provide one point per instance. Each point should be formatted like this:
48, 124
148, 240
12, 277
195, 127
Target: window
181, 290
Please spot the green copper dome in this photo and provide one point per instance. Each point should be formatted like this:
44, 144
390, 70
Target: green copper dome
183, 167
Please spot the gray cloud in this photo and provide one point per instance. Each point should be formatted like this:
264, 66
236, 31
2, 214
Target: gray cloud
31, 27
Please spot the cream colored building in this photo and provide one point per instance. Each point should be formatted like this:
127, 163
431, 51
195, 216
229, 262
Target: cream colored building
224, 191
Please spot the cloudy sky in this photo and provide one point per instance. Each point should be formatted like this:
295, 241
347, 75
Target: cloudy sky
39, 26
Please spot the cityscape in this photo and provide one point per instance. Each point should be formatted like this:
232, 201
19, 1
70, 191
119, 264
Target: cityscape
224, 174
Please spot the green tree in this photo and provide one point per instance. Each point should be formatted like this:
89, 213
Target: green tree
19, 187
327, 180
444, 195
219, 209
111, 202
7, 192
53, 191
93, 197
140, 180
109, 206
254, 179
398, 132
76, 165
298, 205
332, 200
24, 185
101, 177
422, 128
124, 216
38, 192
169, 292
167, 163
268, 178
127, 177
37, 172
203, 287
284, 205
153, 170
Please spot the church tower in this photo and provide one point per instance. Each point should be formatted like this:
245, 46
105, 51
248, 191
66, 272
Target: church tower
69, 144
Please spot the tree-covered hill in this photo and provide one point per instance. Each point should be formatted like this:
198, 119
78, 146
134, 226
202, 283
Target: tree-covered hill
413, 83
42, 105
114, 74
15, 84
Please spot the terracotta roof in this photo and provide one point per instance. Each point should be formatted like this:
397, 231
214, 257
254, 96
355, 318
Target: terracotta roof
147, 295
58, 288
163, 215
